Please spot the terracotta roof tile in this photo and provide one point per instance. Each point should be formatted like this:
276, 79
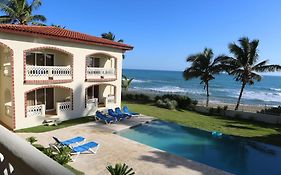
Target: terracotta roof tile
61, 34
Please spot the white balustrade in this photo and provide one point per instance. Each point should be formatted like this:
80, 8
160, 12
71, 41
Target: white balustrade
63, 106
92, 103
96, 73
48, 72
35, 111
110, 99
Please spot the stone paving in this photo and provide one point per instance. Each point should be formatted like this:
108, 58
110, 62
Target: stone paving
144, 159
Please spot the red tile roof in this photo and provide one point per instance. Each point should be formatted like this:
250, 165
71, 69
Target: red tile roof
61, 34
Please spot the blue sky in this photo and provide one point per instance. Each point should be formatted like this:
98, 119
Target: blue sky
164, 32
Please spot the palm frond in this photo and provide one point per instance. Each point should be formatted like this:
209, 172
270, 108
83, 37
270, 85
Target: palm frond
253, 54
39, 18
36, 4
268, 68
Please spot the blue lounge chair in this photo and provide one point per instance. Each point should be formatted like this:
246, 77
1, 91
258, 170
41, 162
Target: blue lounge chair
80, 149
69, 142
115, 115
127, 111
119, 112
104, 118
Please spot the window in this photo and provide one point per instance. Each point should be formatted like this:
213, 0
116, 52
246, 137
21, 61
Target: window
40, 59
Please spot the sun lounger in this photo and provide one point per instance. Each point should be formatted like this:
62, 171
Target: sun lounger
87, 147
119, 112
115, 115
104, 118
91, 147
127, 111
69, 142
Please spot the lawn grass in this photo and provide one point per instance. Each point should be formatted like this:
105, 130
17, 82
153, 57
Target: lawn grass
42, 128
73, 170
267, 133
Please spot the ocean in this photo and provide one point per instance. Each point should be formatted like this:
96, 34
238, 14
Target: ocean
223, 89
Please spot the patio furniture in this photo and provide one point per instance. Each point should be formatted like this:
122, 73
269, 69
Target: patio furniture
87, 147
104, 118
69, 142
119, 112
115, 115
127, 111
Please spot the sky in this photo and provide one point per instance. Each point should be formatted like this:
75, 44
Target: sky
165, 32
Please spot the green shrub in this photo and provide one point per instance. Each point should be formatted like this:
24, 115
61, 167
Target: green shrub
167, 103
271, 111
182, 102
136, 98
120, 169
225, 108
212, 111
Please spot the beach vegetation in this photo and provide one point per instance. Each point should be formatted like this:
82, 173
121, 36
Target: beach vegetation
244, 65
183, 102
21, 12
271, 111
126, 82
136, 97
203, 66
167, 103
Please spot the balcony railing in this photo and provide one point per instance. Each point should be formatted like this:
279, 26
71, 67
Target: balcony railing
63, 106
92, 103
35, 111
100, 73
18, 157
48, 72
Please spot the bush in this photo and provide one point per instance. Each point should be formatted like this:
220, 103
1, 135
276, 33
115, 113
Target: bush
167, 103
136, 97
178, 101
271, 111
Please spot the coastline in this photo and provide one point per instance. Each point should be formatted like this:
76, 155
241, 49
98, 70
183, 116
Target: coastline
231, 106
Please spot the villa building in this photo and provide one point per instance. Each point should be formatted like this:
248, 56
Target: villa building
53, 72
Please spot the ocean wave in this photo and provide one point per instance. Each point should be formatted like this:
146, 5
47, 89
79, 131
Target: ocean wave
275, 89
171, 89
260, 95
140, 81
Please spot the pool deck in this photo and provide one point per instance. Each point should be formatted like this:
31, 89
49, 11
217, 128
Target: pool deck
144, 159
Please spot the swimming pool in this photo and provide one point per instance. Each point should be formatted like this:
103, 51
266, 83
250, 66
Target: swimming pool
232, 154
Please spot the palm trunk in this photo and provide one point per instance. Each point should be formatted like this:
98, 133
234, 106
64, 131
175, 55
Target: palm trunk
240, 95
207, 101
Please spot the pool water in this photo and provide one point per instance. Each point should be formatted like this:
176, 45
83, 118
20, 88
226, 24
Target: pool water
231, 154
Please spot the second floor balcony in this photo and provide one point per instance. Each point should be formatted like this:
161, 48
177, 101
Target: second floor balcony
100, 67
48, 65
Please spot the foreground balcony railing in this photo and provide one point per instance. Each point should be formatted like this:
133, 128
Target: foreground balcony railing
100, 73
18, 157
48, 73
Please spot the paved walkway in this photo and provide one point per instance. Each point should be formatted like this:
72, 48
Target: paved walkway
143, 159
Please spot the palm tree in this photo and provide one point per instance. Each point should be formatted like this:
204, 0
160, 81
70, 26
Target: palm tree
243, 65
126, 82
110, 36
204, 67
21, 12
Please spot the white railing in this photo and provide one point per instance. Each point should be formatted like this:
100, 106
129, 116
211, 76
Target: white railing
35, 111
18, 157
63, 106
110, 99
92, 103
97, 73
48, 72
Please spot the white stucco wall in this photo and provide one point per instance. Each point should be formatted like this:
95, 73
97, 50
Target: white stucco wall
21, 43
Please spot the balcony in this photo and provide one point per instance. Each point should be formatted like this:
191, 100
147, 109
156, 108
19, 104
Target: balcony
100, 73
101, 67
48, 73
